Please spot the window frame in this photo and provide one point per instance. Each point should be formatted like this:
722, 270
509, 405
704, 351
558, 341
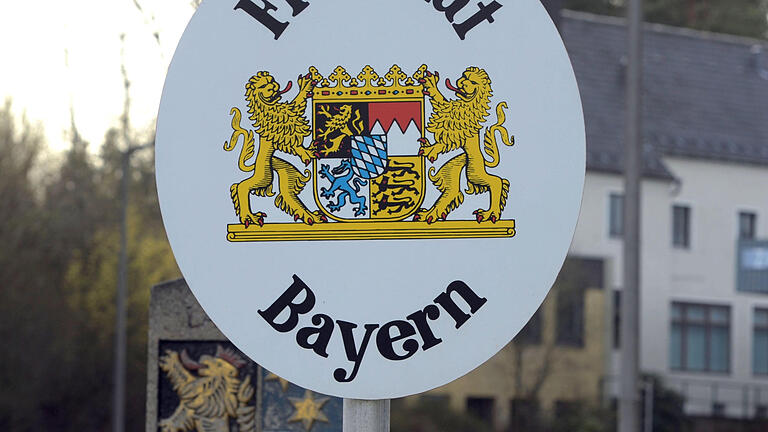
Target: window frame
708, 325
577, 276
685, 241
752, 217
571, 303
524, 413
755, 328
475, 410
616, 309
616, 228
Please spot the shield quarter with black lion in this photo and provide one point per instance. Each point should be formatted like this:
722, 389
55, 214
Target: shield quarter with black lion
368, 166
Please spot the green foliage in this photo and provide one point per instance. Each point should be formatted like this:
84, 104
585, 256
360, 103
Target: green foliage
428, 415
58, 273
738, 17
668, 408
668, 413
586, 418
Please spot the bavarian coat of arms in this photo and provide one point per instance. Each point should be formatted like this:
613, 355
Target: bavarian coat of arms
372, 143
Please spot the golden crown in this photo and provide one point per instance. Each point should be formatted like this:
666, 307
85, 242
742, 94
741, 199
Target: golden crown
368, 84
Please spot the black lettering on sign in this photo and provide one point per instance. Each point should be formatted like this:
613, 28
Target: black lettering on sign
425, 331
286, 301
262, 13
355, 355
465, 292
484, 14
385, 340
298, 6
396, 340
451, 9
323, 335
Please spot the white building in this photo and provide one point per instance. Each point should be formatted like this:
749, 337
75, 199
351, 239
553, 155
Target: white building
705, 186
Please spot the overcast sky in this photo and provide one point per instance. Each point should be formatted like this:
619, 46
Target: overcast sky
38, 39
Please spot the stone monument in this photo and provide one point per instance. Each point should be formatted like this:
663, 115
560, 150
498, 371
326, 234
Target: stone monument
197, 380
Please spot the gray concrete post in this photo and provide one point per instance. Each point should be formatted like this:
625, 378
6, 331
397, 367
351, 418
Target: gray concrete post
629, 402
366, 415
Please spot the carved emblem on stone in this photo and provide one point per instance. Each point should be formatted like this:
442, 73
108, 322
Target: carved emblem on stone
211, 392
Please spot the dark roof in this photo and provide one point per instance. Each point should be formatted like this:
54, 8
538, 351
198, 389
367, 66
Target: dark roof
705, 95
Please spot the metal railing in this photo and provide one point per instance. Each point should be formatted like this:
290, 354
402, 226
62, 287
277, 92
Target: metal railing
707, 397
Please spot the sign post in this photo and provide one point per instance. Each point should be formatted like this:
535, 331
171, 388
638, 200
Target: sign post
357, 191
366, 415
629, 401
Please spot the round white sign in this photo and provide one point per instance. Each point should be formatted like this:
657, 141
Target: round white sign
370, 198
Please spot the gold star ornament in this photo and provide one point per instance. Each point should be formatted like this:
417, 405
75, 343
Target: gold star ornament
308, 410
283, 382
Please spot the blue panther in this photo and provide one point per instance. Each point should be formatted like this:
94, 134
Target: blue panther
344, 183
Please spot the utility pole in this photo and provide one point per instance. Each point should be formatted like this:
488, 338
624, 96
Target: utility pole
118, 402
629, 403
118, 418
118, 396
648, 406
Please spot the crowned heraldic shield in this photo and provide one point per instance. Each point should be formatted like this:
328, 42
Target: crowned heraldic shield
374, 130
369, 149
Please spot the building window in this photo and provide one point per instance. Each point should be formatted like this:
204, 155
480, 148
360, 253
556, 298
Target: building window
700, 340
481, 408
576, 277
681, 226
760, 342
531, 333
616, 215
616, 319
523, 414
752, 266
570, 316
761, 411
718, 409
747, 225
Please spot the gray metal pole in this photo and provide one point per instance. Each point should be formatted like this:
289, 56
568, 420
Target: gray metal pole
629, 419
648, 422
118, 417
118, 396
366, 415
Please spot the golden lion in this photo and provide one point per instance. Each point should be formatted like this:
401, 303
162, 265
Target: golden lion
340, 123
281, 126
456, 124
213, 397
